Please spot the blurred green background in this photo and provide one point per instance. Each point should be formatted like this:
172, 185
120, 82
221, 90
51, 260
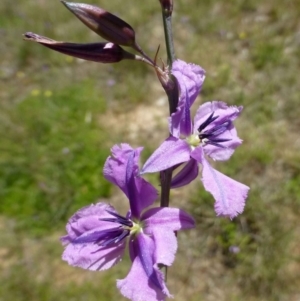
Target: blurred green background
59, 117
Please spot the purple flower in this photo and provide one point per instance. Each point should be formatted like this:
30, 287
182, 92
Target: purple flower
97, 234
212, 134
234, 249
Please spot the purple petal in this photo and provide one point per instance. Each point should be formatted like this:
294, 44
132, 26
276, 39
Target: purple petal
165, 245
144, 281
131, 187
229, 195
186, 175
175, 121
172, 218
122, 170
190, 78
160, 224
141, 194
180, 122
84, 228
224, 114
86, 219
114, 169
91, 256
146, 194
170, 153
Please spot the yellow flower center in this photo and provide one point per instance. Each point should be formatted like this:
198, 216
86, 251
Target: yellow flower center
193, 140
136, 228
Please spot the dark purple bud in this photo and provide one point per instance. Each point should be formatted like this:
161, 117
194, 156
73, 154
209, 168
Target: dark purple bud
105, 24
96, 52
167, 6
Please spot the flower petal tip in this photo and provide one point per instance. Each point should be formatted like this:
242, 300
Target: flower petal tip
236, 205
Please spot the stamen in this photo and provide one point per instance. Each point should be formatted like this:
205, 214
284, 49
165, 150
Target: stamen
210, 136
208, 121
97, 236
107, 237
219, 129
116, 239
123, 235
215, 144
119, 219
220, 140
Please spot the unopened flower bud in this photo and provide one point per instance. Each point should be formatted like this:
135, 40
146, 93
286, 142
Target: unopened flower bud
96, 52
167, 6
105, 24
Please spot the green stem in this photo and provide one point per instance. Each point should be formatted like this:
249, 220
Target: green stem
166, 175
167, 21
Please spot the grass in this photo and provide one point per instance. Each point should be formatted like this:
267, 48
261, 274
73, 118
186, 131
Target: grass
60, 116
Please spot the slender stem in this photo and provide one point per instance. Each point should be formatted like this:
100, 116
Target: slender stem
137, 47
167, 21
166, 175
143, 59
165, 180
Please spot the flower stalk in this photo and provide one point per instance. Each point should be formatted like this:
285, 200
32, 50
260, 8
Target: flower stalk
173, 94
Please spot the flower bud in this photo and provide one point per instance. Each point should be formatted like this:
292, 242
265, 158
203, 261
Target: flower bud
167, 6
105, 24
96, 52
